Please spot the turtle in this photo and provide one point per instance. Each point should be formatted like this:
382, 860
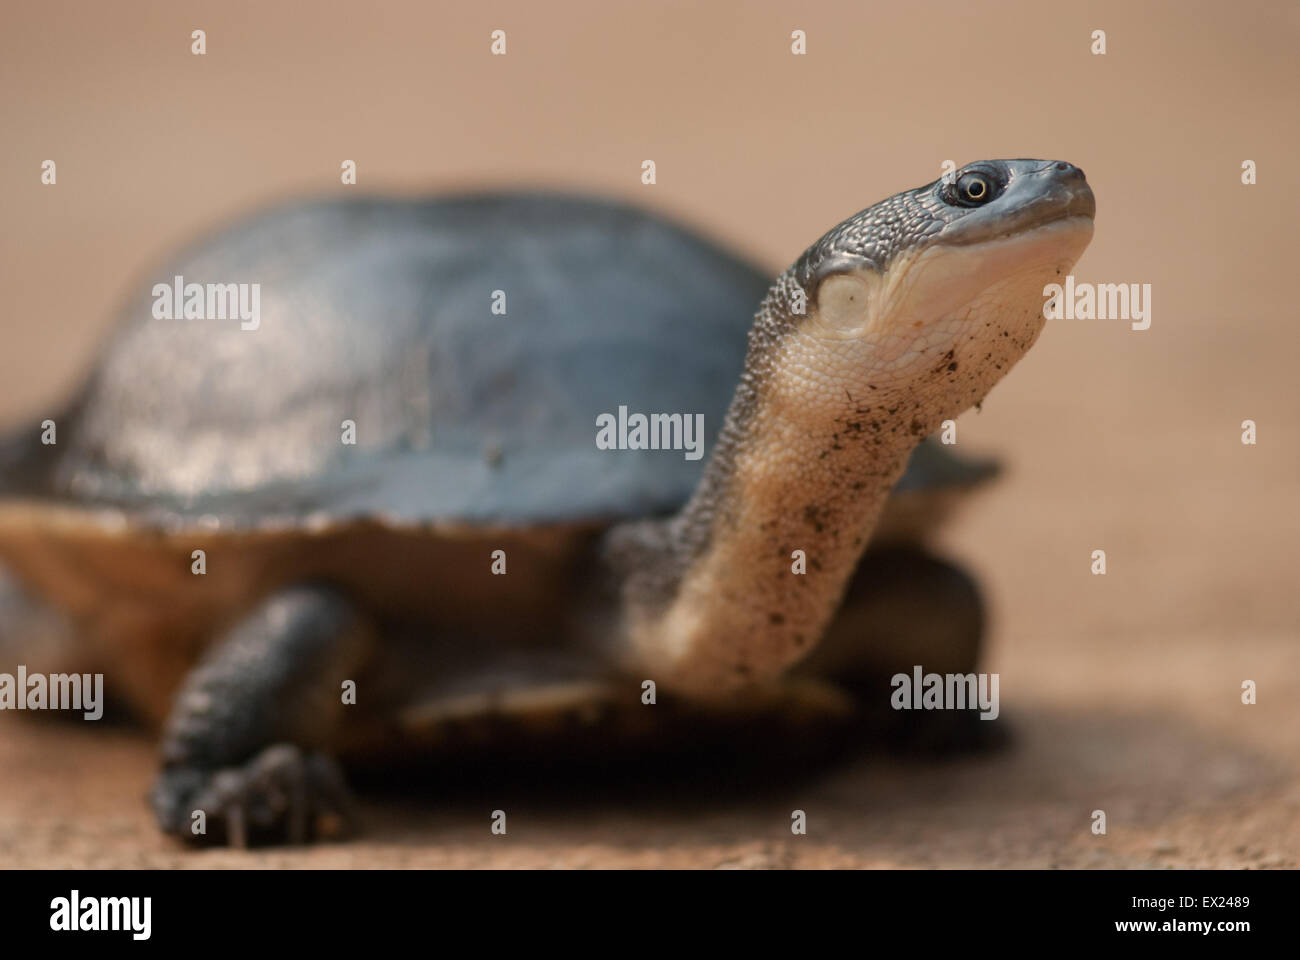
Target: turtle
447, 480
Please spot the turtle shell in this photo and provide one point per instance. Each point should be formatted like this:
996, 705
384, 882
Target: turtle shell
466, 345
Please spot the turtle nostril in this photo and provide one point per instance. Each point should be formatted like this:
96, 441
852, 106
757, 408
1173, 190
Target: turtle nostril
1070, 168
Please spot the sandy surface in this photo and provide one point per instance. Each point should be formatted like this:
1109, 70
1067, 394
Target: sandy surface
1121, 692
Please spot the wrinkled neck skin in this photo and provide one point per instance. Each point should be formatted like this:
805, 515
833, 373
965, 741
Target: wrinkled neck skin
820, 429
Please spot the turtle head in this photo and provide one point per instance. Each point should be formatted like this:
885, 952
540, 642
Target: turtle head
900, 317
940, 289
897, 319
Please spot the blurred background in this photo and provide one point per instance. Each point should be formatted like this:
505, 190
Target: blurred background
1122, 692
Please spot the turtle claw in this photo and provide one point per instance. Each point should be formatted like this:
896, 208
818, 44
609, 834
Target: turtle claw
283, 794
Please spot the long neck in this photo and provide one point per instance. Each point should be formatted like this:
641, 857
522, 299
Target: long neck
742, 582
745, 579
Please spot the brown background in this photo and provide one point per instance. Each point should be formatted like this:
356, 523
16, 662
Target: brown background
1123, 690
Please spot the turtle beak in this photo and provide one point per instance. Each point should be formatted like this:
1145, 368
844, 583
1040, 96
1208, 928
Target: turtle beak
1065, 191
1055, 191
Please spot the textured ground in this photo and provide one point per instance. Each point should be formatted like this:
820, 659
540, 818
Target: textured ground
1122, 692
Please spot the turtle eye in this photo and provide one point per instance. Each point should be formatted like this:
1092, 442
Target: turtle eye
972, 189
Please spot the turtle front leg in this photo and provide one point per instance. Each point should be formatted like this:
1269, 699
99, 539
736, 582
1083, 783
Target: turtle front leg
904, 607
248, 738
907, 609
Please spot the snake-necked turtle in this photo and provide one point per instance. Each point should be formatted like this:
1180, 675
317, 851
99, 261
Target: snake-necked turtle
423, 500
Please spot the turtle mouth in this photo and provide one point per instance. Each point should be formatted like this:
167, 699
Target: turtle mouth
1063, 204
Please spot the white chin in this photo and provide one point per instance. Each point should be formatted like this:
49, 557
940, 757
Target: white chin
942, 279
